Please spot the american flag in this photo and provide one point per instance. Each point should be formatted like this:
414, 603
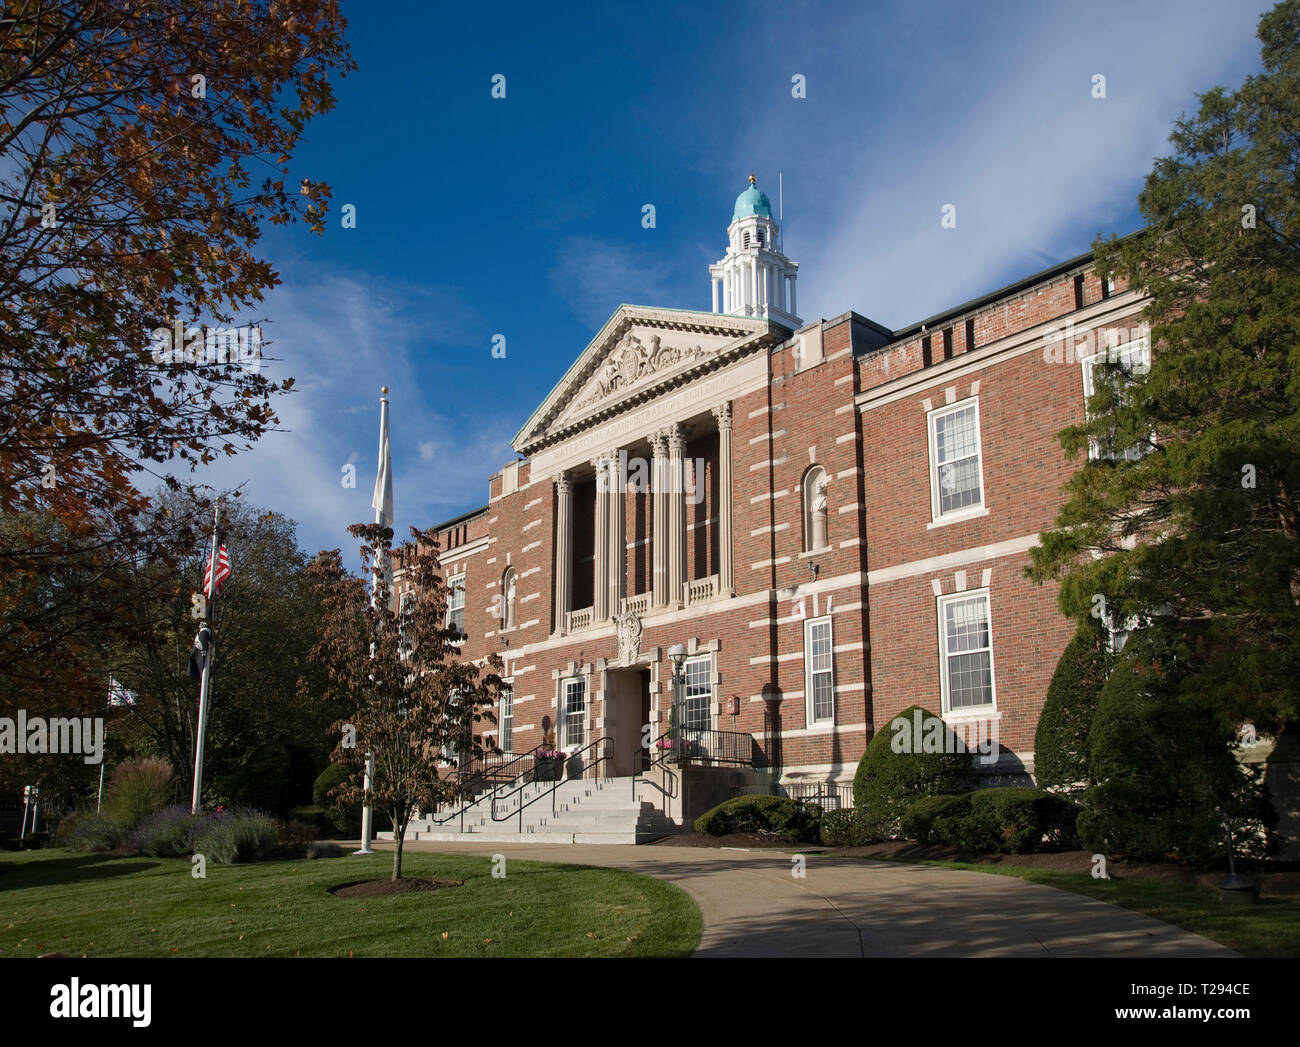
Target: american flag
223, 572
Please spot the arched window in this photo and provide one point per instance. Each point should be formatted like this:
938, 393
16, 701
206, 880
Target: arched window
509, 583
746, 238
815, 517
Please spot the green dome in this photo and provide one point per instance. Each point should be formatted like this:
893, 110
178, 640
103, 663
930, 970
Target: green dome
752, 201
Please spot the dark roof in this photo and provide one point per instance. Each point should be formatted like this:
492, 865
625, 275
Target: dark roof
939, 319
1050, 273
461, 518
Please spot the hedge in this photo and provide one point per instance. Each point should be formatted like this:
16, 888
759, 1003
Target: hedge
1061, 750
794, 821
888, 782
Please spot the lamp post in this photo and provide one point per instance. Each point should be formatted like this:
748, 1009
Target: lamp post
677, 652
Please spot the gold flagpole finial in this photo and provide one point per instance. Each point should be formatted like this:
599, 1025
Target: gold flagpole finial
384, 389
753, 180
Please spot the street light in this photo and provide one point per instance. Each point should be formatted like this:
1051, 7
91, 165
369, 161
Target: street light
677, 652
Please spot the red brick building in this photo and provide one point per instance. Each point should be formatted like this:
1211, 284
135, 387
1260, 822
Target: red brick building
833, 518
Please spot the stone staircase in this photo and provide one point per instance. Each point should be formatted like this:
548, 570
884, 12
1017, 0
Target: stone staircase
587, 810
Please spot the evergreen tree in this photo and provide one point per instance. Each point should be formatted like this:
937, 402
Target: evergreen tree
1201, 527
1061, 747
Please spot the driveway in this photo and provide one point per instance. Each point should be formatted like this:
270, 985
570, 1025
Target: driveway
753, 906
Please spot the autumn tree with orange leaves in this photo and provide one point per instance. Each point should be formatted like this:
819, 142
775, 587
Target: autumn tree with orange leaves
146, 145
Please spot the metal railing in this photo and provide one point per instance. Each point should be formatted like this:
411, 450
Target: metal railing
482, 777
697, 745
829, 795
648, 760
602, 750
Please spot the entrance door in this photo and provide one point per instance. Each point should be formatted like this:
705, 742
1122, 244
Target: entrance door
630, 705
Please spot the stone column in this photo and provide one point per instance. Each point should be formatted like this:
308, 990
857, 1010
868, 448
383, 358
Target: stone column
563, 550
794, 305
714, 283
726, 580
600, 578
659, 514
617, 533
676, 499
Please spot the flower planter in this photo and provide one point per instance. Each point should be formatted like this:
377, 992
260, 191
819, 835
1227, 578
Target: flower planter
547, 768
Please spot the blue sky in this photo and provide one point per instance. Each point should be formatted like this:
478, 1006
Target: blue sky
522, 217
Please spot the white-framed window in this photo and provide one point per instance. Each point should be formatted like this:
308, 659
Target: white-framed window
405, 608
697, 694
456, 603
573, 714
819, 671
956, 460
506, 717
966, 652
1134, 359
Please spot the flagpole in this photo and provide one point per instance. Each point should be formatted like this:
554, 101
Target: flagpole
205, 685
367, 782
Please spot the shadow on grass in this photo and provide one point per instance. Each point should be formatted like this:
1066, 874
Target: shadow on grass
48, 872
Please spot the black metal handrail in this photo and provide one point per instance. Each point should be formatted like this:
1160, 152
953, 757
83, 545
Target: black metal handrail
463, 786
602, 757
699, 745
662, 760
497, 772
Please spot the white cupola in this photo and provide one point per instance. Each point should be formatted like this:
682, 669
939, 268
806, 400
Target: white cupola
755, 278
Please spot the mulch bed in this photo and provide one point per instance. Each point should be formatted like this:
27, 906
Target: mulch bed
1281, 882
382, 888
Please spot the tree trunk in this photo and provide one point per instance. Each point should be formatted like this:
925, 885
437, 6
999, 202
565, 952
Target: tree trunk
399, 837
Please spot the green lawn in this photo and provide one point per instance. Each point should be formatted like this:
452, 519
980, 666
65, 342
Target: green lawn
60, 901
1270, 928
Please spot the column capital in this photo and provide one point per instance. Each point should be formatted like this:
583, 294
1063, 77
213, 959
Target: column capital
723, 415
659, 444
676, 438
563, 483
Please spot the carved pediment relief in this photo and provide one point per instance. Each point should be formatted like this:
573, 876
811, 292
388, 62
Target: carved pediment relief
637, 351
637, 359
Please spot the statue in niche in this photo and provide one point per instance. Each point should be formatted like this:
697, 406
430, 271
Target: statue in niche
511, 583
819, 517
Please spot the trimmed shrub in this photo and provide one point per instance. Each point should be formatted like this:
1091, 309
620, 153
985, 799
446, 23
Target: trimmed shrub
889, 781
166, 834
778, 815
847, 828
138, 788
229, 837
324, 849
1166, 772
343, 819
1008, 820
1061, 740
90, 831
314, 816
918, 823
296, 835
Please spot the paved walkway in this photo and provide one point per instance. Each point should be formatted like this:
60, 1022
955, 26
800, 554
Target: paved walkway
753, 906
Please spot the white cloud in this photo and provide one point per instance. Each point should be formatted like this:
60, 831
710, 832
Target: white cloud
342, 337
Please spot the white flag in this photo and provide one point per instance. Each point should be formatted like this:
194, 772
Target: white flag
382, 502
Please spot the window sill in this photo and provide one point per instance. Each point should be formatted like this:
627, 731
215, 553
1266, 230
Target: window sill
989, 712
952, 518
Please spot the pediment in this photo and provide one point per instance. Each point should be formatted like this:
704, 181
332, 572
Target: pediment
637, 354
